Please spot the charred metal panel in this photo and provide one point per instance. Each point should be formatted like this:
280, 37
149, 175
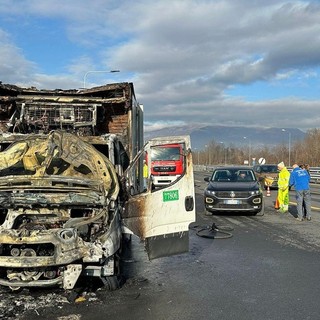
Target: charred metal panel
58, 196
117, 123
61, 205
135, 216
89, 113
46, 109
162, 216
62, 153
168, 245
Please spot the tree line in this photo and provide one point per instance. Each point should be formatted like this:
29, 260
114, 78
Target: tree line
306, 151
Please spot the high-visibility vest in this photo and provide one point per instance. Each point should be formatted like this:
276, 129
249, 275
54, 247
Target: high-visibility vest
145, 171
283, 180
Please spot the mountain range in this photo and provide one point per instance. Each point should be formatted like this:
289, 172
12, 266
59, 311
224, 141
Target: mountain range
231, 136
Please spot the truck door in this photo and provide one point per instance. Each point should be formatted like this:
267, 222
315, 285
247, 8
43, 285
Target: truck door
161, 216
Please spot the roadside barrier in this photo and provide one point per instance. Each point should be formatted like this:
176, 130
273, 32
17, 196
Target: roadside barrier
315, 174
314, 171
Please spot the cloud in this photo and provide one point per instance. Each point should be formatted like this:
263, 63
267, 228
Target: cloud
184, 57
14, 67
153, 126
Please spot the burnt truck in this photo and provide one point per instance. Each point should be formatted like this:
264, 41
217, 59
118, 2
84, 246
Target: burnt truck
72, 186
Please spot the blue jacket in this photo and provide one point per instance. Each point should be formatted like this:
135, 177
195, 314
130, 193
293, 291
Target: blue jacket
299, 178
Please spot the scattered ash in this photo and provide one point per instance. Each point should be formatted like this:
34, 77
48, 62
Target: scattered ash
14, 305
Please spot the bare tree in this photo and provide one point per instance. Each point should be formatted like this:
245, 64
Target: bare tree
305, 151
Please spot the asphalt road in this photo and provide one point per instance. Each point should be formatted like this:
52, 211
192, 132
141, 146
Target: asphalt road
267, 269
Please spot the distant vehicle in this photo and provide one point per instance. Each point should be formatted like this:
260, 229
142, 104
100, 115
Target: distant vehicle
167, 164
267, 174
233, 189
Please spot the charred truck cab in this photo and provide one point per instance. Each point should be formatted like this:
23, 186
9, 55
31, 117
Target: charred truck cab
71, 186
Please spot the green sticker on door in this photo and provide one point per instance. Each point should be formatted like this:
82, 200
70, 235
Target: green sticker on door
172, 195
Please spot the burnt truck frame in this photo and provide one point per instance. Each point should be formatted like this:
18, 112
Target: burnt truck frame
71, 186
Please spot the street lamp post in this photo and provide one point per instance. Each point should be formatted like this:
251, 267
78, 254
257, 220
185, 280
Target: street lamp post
289, 146
96, 71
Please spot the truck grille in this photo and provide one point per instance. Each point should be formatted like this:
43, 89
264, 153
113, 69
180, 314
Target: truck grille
164, 169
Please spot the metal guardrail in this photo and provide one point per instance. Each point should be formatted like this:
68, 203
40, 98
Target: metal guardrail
315, 174
314, 171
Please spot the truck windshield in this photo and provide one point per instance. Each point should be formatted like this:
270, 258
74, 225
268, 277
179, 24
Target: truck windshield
165, 153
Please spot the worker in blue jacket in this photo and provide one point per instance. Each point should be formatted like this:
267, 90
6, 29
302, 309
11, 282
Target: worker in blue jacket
300, 179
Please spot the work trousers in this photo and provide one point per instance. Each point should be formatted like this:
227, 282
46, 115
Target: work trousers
283, 199
303, 196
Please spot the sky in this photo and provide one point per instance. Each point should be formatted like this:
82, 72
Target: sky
192, 62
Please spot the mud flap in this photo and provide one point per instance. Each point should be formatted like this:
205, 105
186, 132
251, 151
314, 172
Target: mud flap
167, 245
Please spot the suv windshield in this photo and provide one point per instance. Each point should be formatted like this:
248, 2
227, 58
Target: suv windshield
233, 175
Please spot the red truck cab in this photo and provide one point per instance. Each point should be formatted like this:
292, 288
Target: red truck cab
167, 164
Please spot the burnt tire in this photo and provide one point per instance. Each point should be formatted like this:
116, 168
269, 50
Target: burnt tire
111, 283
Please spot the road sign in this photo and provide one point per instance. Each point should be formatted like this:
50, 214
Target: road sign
262, 161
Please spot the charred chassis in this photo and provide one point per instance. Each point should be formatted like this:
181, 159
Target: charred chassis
59, 189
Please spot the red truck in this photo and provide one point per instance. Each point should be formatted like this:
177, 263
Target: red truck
167, 164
